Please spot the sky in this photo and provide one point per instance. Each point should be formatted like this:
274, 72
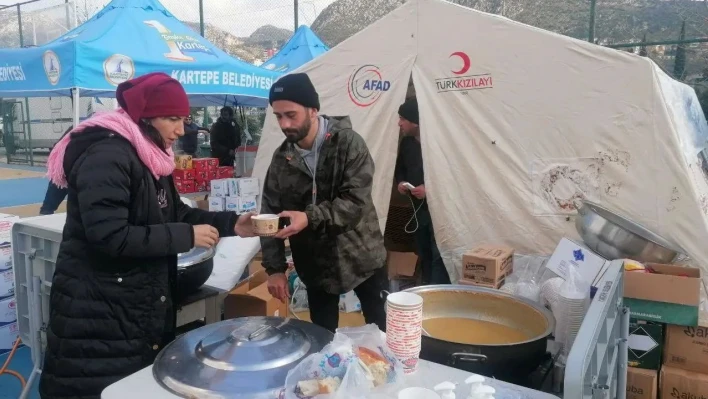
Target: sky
239, 17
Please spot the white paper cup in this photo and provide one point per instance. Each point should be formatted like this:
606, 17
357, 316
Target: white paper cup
265, 225
404, 300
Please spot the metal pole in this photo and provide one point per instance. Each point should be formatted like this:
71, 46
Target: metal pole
295, 8
28, 140
19, 22
201, 17
591, 30
66, 12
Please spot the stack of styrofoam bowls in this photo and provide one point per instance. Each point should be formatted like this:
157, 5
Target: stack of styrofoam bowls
570, 308
550, 290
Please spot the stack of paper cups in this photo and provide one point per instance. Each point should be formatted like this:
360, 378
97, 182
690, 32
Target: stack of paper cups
404, 325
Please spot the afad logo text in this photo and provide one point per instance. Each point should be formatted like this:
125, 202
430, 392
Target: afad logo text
179, 45
366, 85
462, 79
675, 393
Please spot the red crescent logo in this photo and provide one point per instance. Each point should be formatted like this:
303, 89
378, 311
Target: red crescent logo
465, 62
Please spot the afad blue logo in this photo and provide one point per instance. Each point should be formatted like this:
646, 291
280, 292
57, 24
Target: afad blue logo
179, 45
366, 85
578, 255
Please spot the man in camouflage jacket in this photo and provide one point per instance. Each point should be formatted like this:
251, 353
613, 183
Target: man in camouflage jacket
321, 179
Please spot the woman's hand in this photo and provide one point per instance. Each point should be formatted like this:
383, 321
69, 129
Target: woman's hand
205, 236
244, 227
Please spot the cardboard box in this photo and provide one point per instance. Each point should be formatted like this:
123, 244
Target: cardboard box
401, 264
225, 172
6, 222
232, 186
642, 384
183, 174
645, 344
687, 348
231, 204
497, 285
7, 283
201, 186
202, 175
488, 264
213, 163
247, 204
183, 161
571, 254
5, 257
213, 174
251, 298
682, 384
671, 295
219, 188
8, 334
201, 165
217, 204
189, 186
248, 186
8, 310
349, 303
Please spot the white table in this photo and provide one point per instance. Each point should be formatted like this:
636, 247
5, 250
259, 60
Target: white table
142, 385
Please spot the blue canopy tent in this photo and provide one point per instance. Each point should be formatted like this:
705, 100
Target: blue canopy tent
299, 50
130, 38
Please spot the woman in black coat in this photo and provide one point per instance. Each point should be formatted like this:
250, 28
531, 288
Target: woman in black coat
111, 308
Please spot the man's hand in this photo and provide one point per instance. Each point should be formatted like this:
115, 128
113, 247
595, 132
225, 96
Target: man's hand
419, 192
402, 189
278, 287
244, 227
205, 236
298, 223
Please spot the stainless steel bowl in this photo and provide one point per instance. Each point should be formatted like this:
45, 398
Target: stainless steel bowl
615, 237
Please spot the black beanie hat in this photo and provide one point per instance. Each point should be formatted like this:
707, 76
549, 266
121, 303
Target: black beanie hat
296, 87
409, 110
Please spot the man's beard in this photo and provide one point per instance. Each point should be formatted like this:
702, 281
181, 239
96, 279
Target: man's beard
295, 135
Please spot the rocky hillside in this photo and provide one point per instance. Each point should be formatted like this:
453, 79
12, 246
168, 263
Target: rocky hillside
617, 20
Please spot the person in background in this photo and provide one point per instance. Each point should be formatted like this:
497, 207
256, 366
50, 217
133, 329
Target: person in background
321, 178
111, 303
189, 142
225, 137
409, 169
55, 195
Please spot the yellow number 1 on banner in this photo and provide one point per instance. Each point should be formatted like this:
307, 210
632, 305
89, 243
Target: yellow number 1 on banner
175, 53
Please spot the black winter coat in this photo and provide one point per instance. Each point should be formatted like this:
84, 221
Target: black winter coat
111, 307
225, 136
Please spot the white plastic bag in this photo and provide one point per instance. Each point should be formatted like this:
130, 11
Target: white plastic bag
344, 368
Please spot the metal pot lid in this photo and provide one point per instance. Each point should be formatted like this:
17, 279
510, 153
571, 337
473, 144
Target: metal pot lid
194, 256
248, 357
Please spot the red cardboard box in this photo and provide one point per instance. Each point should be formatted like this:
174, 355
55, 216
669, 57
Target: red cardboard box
183, 174
213, 163
225, 172
213, 175
201, 164
201, 175
201, 186
179, 186
189, 186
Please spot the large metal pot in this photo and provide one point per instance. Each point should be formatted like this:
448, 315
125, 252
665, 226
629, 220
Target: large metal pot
616, 237
193, 270
244, 358
512, 362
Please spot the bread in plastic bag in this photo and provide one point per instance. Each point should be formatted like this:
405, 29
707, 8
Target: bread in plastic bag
354, 365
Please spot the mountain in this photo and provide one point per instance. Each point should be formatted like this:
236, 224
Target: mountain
269, 36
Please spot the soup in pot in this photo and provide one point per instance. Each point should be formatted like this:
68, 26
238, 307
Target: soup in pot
472, 332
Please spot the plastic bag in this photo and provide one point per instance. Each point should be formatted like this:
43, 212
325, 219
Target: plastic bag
355, 365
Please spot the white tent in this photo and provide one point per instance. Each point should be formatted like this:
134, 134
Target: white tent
517, 123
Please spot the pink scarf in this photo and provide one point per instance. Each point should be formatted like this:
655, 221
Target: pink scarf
159, 162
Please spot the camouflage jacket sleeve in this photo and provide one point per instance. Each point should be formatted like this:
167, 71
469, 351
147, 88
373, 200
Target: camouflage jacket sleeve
345, 211
273, 248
